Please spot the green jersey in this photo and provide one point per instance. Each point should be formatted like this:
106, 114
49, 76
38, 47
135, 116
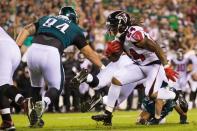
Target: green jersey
149, 106
67, 32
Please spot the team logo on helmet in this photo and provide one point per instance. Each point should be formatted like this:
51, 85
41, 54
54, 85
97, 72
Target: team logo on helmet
122, 16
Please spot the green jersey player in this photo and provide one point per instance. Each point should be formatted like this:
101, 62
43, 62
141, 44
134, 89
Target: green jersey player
52, 34
148, 111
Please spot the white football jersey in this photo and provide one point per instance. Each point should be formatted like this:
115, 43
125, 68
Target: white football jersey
5, 37
180, 66
139, 55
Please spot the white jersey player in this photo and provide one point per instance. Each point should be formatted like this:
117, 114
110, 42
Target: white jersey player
193, 80
10, 57
148, 64
180, 65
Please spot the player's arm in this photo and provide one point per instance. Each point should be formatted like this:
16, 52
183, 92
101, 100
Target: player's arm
91, 55
143, 118
153, 47
26, 31
85, 48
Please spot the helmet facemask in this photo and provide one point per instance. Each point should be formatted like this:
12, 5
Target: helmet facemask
117, 23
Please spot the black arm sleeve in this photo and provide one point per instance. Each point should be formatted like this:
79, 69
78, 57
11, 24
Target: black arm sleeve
80, 41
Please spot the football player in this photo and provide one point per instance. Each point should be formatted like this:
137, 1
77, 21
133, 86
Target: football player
193, 79
10, 57
118, 61
148, 111
52, 34
148, 63
180, 65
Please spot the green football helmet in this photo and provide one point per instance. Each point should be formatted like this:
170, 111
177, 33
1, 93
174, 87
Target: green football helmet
69, 12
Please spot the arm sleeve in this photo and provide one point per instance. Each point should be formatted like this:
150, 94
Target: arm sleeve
80, 41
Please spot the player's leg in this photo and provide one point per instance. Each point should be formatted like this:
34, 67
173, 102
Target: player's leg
121, 77
126, 90
182, 113
155, 87
6, 90
193, 85
9, 62
126, 75
34, 61
54, 76
98, 82
7, 122
124, 93
12, 92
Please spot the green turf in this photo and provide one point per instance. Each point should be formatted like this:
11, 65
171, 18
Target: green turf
122, 120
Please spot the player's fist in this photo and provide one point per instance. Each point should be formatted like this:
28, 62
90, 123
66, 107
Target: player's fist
171, 74
113, 47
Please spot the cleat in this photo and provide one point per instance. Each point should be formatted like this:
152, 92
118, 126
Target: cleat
30, 111
7, 126
39, 124
80, 77
105, 118
89, 105
39, 109
153, 121
183, 119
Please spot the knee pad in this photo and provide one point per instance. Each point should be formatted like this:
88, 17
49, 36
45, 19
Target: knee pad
52, 93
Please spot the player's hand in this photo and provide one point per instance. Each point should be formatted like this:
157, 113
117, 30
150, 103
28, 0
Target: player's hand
171, 74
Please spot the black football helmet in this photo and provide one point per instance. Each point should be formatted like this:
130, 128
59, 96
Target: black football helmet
118, 22
69, 12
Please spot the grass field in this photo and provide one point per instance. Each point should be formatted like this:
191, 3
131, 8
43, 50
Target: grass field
122, 120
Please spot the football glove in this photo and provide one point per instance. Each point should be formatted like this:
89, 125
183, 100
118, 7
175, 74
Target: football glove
171, 74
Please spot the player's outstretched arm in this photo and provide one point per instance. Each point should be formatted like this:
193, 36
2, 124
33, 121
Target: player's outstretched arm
92, 56
26, 31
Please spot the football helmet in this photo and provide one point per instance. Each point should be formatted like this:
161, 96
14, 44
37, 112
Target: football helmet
180, 54
69, 12
118, 22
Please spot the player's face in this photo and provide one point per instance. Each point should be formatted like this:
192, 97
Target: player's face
112, 30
